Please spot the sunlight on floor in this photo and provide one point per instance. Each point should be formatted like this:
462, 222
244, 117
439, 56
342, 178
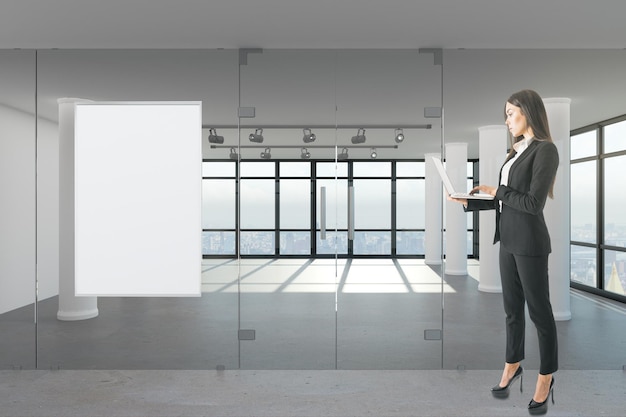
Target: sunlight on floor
372, 276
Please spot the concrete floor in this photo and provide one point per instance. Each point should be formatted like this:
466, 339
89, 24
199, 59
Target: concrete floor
366, 355
115, 393
377, 323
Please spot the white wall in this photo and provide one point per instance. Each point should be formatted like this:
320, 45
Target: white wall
478, 82
18, 237
17, 208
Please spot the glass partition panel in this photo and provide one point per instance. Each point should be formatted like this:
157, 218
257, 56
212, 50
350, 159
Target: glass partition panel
388, 299
145, 332
258, 207
615, 137
312, 107
477, 84
332, 217
410, 193
583, 268
295, 194
583, 189
372, 217
219, 214
615, 272
295, 216
584, 145
18, 234
614, 221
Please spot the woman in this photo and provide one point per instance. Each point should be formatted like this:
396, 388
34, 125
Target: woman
526, 180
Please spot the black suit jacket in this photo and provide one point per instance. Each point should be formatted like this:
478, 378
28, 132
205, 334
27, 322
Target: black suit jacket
520, 227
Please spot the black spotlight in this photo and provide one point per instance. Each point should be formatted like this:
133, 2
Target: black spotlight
233, 154
360, 136
266, 154
308, 136
305, 154
257, 136
214, 138
343, 155
399, 135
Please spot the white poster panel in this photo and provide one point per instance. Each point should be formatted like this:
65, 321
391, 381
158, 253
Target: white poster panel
138, 198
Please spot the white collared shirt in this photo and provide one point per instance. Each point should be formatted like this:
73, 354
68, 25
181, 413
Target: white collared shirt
519, 147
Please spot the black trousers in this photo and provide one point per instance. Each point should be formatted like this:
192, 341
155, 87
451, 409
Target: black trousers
525, 280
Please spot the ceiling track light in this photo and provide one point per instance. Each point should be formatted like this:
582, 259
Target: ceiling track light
308, 136
399, 135
373, 153
257, 136
343, 155
360, 136
266, 154
305, 154
214, 138
233, 154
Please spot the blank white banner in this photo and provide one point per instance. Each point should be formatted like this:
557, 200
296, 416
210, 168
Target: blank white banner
138, 198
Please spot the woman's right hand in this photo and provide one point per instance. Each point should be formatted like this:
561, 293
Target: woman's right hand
458, 200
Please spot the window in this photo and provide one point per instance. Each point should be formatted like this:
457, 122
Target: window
584, 145
615, 137
583, 197
280, 208
219, 214
410, 223
614, 200
598, 227
295, 211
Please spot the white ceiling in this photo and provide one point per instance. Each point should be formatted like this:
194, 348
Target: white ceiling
447, 24
466, 29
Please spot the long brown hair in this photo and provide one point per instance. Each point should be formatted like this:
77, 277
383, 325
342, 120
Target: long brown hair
533, 108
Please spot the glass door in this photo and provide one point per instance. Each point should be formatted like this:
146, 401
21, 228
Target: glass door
332, 226
287, 134
389, 302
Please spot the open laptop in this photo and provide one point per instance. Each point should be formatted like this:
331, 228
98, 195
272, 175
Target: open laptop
450, 188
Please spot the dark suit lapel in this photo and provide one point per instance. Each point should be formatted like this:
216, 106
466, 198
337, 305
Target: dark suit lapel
508, 158
525, 154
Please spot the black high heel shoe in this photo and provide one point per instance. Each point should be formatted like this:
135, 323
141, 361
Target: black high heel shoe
503, 392
536, 408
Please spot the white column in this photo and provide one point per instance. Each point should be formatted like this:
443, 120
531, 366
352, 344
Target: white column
456, 218
557, 212
492, 142
433, 215
70, 306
